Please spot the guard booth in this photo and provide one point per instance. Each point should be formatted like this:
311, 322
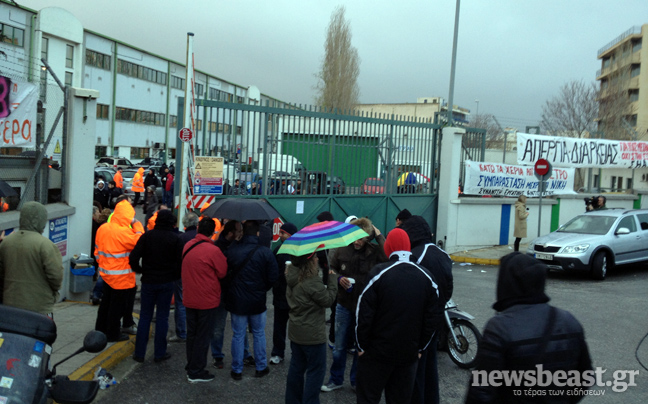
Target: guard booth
308, 160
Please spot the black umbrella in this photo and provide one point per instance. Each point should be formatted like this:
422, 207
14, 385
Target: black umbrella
241, 209
6, 190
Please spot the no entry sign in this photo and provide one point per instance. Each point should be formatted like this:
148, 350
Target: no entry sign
185, 134
542, 169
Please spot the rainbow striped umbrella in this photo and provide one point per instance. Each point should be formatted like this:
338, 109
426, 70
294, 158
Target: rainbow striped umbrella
321, 236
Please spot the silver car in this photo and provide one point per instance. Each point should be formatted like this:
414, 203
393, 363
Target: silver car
595, 241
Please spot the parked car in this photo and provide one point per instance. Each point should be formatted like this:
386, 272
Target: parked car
104, 173
150, 161
114, 162
335, 185
373, 186
595, 241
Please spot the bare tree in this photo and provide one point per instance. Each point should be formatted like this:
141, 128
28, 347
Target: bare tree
573, 112
337, 85
494, 133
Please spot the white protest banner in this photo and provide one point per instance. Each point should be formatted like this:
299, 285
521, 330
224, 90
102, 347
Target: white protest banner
581, 153
18, 114
506, 180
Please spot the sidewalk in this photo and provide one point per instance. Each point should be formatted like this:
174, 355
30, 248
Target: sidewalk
485, 256
75, 319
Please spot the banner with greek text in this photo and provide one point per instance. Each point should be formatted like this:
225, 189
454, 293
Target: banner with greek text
18, 114
581, 153
506, 180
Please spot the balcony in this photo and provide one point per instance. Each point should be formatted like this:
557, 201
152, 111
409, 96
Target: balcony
632, 31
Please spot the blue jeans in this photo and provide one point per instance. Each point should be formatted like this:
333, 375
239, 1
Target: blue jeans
152, 296
309, 360
344, 326
180, 314
257, 323
219, 334
167, 198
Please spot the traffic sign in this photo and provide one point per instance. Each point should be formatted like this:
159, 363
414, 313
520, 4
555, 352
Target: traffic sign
543, 169
276, 226
185, 134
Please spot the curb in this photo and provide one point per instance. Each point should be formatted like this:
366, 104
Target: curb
107, 359
476, 261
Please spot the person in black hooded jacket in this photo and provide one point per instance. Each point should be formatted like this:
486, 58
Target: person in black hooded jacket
527, 333
161, 253
438, 263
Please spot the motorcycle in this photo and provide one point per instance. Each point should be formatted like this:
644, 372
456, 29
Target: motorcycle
460, 337
26, 340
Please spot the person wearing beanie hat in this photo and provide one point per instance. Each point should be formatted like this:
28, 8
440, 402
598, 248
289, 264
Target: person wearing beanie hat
281, 307
390, 337
351, 264
528, 333
402, 216
438, 263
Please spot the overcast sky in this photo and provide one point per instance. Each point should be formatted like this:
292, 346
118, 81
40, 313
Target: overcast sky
512, 55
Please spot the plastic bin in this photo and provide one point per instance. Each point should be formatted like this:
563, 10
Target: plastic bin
81, 275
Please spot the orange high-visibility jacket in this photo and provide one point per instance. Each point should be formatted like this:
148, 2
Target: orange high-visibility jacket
119, 180
150, 225
113, 244
138, 181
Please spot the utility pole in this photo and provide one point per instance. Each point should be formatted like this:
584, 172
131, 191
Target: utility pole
454, 63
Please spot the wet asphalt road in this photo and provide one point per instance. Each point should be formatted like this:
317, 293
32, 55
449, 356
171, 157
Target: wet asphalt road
613, 314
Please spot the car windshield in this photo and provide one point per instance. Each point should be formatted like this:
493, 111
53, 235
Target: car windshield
588, 224
375, 182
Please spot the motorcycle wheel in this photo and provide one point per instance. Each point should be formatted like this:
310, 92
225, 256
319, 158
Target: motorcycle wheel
468, 336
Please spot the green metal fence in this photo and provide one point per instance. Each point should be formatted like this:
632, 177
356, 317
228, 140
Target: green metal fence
360, 164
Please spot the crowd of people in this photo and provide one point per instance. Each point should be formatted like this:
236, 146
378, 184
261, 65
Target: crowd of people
386, 295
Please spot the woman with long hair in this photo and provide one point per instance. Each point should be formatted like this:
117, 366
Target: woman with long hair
308, 300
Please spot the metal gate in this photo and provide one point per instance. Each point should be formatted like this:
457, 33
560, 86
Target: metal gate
305, 160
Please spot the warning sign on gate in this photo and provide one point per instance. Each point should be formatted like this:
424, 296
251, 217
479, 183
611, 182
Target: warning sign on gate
209, 175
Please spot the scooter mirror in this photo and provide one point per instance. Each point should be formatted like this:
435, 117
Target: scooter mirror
95, 341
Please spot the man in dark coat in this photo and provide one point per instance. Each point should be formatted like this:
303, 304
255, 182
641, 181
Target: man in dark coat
254, 272
438, 263
352, 264
160, 251
397, 314
528, 333
150, 179
281, 308
101, 194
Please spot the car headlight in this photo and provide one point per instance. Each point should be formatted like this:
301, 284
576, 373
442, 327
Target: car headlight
576, 249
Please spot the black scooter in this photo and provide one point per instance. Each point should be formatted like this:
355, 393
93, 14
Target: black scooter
26, 340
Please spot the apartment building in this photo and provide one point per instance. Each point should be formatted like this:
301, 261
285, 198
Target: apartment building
624, 74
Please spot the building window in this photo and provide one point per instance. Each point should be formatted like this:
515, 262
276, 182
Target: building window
214, 94
97, 59
240, 99
636, 45
102, 111
634, 95
198, 124
632, 120
12, 35
141, 72
68, 79
199, 90
145, 117
629, 183
596, 181
173, 121
604, 85
635, 70
606, 62
69, 56
177, 82
137, 153
613, 183
100, 151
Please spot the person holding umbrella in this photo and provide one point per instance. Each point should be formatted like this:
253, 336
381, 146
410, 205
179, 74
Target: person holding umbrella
308, 301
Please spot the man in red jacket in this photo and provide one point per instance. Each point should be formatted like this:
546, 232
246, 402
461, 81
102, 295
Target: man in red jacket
203, 266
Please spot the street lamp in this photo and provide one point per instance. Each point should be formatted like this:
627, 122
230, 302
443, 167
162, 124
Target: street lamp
477, 112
